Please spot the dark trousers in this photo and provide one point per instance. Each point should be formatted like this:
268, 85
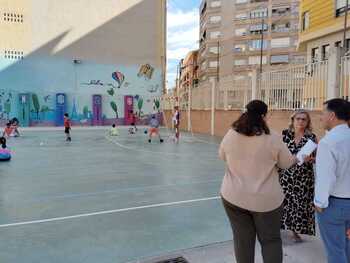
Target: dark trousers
247, 225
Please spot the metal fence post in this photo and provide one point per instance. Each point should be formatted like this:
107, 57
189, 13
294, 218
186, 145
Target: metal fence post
333, 83
214, 83
254, 84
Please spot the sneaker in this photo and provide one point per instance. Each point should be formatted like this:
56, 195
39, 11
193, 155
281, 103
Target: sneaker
149, 140
161, 140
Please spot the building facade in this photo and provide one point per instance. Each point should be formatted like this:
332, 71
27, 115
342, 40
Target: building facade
231, 37
188, 77
96, 65
322, 27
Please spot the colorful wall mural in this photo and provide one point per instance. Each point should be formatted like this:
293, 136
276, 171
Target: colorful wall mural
38, 91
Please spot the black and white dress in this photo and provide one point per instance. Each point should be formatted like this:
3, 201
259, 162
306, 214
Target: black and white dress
298, 186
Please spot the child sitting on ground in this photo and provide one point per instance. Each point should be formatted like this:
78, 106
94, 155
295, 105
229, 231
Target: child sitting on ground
113, 131
5, 154
8, 131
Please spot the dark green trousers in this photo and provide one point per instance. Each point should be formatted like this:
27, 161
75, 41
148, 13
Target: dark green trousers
247, 225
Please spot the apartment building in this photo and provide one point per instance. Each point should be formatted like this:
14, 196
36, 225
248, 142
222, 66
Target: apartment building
188, 77
231, 39
322, 27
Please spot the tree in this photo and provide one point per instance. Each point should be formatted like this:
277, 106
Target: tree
114, 108
157, 104
139, 105
86, 112
36, 105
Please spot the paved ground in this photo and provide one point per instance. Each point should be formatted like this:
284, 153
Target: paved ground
117, 200
311, 251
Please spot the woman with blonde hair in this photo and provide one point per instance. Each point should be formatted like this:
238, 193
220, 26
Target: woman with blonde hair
298, 181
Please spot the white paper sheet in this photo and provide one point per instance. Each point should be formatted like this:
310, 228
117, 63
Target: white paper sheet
307, 150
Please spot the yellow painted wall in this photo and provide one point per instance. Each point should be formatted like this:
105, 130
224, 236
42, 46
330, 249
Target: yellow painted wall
322, 19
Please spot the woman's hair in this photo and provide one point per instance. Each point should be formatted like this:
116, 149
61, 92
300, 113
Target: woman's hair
308, 128
3, 142
251, 122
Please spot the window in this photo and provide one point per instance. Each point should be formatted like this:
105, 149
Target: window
215, 34
215, 19
241, 32
280, 28
215, 4
315, 55
240, 47
325, 52
241, 16
256, 44
13, 54
279, 59
10, 17
255, 60
214, 50
241, 1
280, 42
258, 13
257, 29
340, 6
280, 11
213, 64
299, 60
240, 62
337, 44
305, 21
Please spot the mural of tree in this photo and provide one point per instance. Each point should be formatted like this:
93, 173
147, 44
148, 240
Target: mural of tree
157, 104
114, 108
44, 109
36, 105
140, 105
86, 112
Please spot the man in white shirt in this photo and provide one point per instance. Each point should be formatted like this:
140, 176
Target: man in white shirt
332, 189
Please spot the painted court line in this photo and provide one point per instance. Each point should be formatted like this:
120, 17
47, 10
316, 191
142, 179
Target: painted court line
154, 152
55, 219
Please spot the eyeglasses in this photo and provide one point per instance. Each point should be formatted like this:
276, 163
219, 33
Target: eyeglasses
300, 119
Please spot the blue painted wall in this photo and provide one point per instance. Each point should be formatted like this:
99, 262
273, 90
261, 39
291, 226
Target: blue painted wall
43, 78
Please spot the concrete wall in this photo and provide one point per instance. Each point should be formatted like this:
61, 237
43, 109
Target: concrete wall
278, 120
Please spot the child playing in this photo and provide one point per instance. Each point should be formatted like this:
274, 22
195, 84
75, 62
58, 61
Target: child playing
176, 122
113, 131
14, 125
67, 127
5, 154
8, 131
133, 123
154, 129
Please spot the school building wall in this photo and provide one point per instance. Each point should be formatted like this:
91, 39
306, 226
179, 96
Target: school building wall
95, 61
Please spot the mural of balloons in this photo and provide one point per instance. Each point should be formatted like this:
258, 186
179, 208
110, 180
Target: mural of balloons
119, 78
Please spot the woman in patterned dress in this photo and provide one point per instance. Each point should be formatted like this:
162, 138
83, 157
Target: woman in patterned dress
298, 181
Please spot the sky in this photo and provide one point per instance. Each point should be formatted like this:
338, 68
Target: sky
182, 34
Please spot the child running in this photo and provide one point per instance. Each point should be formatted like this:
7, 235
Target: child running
113, 131
67, 127
176, 122
5, 153
154, 129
